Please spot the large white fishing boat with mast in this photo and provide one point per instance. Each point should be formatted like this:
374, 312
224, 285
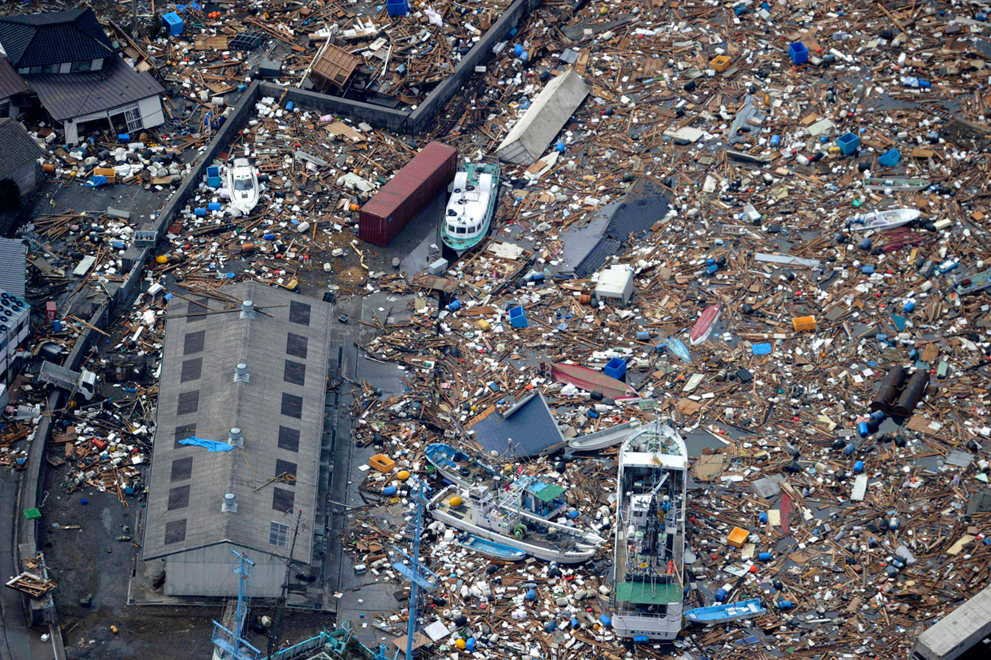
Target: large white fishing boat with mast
648, 572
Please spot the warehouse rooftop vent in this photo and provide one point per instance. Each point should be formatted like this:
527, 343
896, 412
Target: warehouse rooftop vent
247, 310
241, 373
234, 437
230, 503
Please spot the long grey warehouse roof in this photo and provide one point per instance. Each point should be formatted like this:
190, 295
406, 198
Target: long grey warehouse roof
279, 409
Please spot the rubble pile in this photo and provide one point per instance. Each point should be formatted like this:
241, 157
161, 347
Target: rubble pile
792, 199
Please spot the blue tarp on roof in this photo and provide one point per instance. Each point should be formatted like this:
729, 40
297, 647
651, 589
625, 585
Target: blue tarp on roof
526, 429
209, 445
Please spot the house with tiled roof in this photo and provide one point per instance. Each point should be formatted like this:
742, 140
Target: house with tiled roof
69, 62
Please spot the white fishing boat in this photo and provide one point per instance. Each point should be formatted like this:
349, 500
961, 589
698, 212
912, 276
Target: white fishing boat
242, 184
881, 220
648, 568
474, 195
504, 513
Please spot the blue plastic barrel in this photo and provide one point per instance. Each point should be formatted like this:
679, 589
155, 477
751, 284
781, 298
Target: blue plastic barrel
643, 335
200, 211
720, 595
290, 106
858, 467
213, 206
763, 517
454, 306
57, 325
785, 604
605, 620
470, 644
862, 430
531, 595
765, 556
269, 237
550, 626
909, 306
711, 270
389, 490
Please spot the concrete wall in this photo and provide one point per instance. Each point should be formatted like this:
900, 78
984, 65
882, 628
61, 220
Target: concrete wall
375, 115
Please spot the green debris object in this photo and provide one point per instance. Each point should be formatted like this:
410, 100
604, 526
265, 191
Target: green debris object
32, 514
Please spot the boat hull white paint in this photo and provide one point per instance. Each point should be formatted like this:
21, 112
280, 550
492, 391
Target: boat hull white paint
658, 628
534, 551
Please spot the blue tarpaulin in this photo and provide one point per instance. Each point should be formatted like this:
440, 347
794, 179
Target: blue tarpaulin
209, 445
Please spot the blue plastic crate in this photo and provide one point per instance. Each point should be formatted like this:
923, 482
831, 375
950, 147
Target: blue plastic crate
761, 349
798, 53
890, 158
517, 318
173, 23
848, 143
397, 7
616, 368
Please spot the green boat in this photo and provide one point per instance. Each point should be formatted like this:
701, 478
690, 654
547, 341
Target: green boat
897, 184
474, 195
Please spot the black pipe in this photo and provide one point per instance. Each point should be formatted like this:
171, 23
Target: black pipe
914, 390
887, 393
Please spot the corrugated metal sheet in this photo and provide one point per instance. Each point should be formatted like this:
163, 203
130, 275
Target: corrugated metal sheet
408, 193
257, 406
12, 274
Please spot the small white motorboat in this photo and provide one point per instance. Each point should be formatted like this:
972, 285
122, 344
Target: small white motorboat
242, 183
881, 220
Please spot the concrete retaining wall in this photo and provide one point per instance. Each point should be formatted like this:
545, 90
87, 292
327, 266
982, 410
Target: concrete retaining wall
374, 115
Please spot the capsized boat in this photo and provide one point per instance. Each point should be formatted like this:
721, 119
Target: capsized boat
242, 184
491, 549
589, 380
881, 220
895, 184
456, 466
648, 566
474, 194
726, 612
703, 327
678, 348
513, 514
603, 439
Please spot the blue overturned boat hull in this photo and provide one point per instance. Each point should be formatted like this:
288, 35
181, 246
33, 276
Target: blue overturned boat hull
728, 612
493, 550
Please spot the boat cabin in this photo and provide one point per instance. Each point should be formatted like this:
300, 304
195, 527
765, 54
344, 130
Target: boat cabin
468, 205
